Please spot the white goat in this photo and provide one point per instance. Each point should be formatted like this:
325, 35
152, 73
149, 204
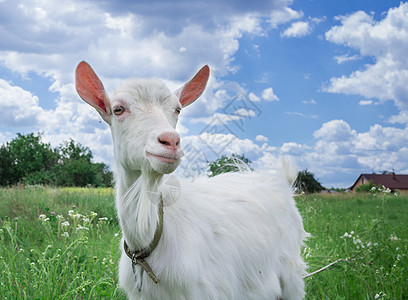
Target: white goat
233, 236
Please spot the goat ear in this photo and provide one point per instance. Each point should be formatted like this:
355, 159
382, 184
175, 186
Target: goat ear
194, 88
91, 90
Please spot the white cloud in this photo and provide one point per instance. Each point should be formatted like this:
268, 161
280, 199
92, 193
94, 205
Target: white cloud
299, 114
346, 58
316, 20
22, 113
378, 138
261, 138
311, 101
18, 106
297, 29
383, 148
293, 149
336, 130
47, 38
402, 118
245, 113
124, 44
269, 95
125, 25
266, 162
284, 15
254, 97
386, 42
365, 102
338, 153
339, 147
121, 41
295, 113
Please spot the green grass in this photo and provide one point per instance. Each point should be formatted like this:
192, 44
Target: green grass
43, 258
369, 232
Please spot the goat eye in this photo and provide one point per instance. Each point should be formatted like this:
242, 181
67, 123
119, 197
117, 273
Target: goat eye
118, 110
178, 110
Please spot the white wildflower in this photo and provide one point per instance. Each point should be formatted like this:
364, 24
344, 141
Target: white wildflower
65, 234
386, 190
76, 216
42, 217
116, 234
380, 295
70, 213
93, 214
394, 238
80, 227
65, 224
103, 219
59, 217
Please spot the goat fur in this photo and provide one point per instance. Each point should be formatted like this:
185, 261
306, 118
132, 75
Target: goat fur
233, 236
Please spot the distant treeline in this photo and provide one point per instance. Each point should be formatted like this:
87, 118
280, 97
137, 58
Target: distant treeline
27, 159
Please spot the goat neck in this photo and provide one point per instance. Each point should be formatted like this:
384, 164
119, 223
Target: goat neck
137, 199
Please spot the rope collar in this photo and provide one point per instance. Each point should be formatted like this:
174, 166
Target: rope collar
138, 257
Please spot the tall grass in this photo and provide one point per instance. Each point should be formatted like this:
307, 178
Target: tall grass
369, 232
64, 244
58, 244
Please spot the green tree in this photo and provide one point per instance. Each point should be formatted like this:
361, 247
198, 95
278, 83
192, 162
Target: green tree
365, 188
75, 167
26, 156
307, 183
105, 176
227, 164
6, 165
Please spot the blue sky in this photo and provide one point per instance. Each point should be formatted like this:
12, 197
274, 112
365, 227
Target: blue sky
322, 81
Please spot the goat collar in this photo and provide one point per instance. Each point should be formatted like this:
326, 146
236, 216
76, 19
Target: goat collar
138, 257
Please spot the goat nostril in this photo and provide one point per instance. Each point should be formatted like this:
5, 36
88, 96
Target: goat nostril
164, 142
169, 139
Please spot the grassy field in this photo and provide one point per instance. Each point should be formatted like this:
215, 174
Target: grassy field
369, 233
64, 244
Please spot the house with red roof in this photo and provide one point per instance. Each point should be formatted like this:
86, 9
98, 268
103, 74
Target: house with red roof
395, 182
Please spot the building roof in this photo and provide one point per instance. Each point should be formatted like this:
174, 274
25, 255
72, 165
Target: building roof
391, 181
